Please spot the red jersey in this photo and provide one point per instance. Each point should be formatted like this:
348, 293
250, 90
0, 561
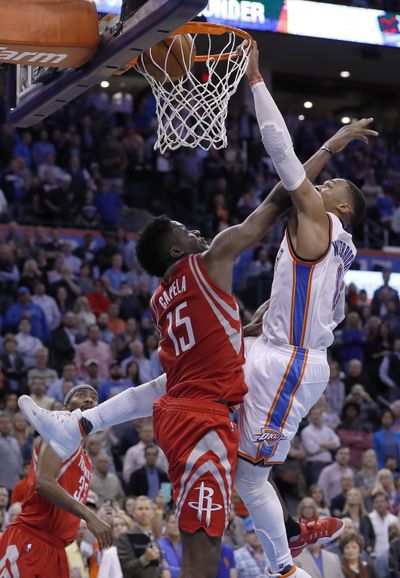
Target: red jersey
39, 514
201, 347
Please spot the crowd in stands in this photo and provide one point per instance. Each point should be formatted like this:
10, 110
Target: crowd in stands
74, 307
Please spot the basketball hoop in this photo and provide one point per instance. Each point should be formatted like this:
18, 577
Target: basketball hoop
191, 110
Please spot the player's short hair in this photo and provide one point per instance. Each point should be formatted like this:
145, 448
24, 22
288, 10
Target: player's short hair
358, 203
152, 246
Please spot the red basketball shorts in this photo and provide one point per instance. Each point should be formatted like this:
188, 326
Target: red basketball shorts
201, 444
24, 555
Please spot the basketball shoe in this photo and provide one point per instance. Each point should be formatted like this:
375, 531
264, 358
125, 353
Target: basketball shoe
315, 531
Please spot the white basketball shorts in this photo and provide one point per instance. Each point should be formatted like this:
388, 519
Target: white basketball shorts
284, 383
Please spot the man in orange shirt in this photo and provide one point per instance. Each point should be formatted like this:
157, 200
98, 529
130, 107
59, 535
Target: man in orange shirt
20, 489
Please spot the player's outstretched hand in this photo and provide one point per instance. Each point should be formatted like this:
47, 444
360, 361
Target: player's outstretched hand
254, 328
101, 530
359, 130
252, 70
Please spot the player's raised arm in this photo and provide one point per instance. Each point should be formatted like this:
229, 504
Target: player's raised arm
47, 473
277, 141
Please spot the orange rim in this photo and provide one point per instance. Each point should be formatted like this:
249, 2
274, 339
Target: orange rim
208, 28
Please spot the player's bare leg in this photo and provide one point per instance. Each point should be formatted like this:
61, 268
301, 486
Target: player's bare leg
201, 555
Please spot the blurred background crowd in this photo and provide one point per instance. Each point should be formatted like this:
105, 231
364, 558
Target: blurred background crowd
74, 307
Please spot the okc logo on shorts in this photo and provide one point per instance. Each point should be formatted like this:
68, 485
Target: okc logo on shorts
269, 436
205, 504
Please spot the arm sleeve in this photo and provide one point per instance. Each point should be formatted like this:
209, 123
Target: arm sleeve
276, 138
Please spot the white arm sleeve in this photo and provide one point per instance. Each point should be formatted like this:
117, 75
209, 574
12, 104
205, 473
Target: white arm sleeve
130, 404
276, 138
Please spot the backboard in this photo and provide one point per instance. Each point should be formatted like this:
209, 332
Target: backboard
30, 98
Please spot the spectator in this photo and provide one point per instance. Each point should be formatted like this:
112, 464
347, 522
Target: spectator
79, 552
393, 294
385, 483
354, 508
69, 373
330, 477
319, 563
137, 355
351, 546
227, 566
12, 365
335, 392
105, 334
23, 437
318, 441
148, 479
366, 476
114, 276
27, 344
26, 308
48, 306
134, 457
352, 338
105, 484
315, 492
41, 369
144, 559
369, 414
389, 372
338, 502
114, 385
115, 323
84, 315
250, 560
110, 566
390, 560
386, 440
4, 501
170, 544
31, 275
20, 489
381, 519
307, 510
355, 374
353, 433
63, 341
10, 455
92, 373
38, 393
93, 348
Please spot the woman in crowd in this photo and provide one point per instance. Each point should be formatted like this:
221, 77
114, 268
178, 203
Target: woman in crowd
84, 315
307, 509
351, 546
385, 483
109, 565
317, 494
355, 509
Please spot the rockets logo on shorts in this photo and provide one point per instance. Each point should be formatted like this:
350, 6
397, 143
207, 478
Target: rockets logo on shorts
205, 505
269, 436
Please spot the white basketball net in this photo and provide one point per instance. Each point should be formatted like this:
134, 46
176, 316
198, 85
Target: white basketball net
190, 112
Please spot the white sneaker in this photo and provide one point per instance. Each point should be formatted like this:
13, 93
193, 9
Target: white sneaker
60, 429
294, 572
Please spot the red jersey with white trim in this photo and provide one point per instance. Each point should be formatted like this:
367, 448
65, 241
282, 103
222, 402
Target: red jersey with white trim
38, 513
201, 347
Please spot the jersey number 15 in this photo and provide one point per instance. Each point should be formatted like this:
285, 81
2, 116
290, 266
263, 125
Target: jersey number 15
176, 321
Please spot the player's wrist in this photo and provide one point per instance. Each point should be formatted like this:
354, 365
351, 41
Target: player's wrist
327, 148
254, 78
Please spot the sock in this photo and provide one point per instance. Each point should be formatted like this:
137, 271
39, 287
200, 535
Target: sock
130, 404
292, 528
265, 509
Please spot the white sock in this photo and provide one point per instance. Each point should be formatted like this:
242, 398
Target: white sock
130, 404
265, 509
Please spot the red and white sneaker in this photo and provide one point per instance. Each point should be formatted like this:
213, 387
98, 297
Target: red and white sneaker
315, 531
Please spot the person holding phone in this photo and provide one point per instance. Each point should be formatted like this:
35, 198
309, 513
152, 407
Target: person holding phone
138, 552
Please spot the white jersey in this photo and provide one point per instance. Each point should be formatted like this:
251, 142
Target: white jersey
306, 299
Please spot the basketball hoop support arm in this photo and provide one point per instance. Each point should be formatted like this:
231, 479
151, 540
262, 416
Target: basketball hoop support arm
151, 23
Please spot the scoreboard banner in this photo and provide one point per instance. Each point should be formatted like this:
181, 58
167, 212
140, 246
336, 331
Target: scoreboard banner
299, 17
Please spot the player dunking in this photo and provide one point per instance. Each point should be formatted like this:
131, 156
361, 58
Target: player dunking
287, 365
33, 546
